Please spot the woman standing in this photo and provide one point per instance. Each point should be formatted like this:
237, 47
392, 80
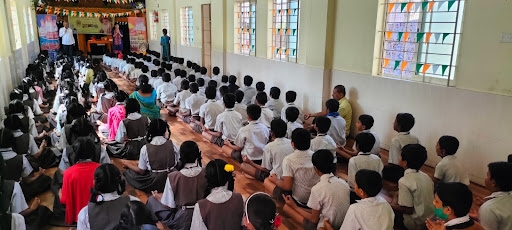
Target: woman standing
117, 36
165, 42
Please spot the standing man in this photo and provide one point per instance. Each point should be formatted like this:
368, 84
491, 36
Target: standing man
68, 41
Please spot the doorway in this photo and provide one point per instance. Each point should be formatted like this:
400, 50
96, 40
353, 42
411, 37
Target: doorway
207, 36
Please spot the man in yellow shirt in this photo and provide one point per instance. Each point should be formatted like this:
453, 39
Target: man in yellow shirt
345, 109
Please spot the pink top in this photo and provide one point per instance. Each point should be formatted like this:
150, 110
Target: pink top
116, 114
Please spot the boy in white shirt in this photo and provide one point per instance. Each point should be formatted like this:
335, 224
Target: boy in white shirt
364, 160
241, 107
182, 75
266, 114
448, 169
251, 139
292, 114
208, 113
415, 189
202, 88
206, 78
178, 106
403, 125
216, 76
329, 198
128, 68
363, 125
290, 98
322, 140
260, 88
337, 122
275, 104
227, 125
193, 105
158, 81
249, 91
166, 92
134, 75
273, 154
496, 213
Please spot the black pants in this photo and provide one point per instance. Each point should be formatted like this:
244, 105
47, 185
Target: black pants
68, 50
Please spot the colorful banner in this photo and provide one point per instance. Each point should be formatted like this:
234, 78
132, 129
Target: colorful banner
48, 33
138, 34
101, 25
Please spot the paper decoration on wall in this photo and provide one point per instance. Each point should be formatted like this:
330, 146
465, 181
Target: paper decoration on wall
450, 4
402, 6
273, 49
418, 67
388, 35
445, 35
65, 12
397, 63
443, 69
385, 63
427, 39
435, 67
419, 36
437, 36
390, 7
431, 6
425, 68
273, 30
400, 34
252, 47
404, 65
409, 6
406, 36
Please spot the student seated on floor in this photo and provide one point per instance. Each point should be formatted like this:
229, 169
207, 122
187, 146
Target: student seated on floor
222, 208
223, 90
106, 101
266, 114
248, 89
29, 126
292, 114
261, 212
175, 207
452, 204
363, 125
208, 113
157, 159
448, 169
202, 88
364, 160
135, 215
403, 125
290, 98
274, 103
241, 107
178, 106
299, 175
415, 190
260, 88
273, 154
193, 105
329, 199
192, 79
227, 123
216, 75
495, 213
166, 92
322, 140
250, 140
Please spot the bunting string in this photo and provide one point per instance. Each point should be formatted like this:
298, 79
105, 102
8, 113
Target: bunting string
74, 13
420, 68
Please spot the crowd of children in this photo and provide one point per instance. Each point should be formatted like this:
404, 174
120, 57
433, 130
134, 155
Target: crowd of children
92, 120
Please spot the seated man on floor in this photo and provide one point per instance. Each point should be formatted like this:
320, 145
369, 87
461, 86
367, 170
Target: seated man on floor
208, 112
178, 106
227, 125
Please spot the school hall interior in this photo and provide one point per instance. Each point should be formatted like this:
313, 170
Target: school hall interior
445, 62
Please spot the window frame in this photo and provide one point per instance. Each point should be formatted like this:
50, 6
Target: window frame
15, 23
283, 13
245, 38
187, 26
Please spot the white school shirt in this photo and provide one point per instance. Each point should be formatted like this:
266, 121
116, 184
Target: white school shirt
249, 93
202, 91
181, 97
144, 159
206, 79
135, 74
324, 141
194, 103
158, 82
210, 111
18, 203
276, 106
363, 161
218, 79
121, 130
217, 196
266, 116
35, 105
65, 164
95, 87
274, 154
292, 126
376, 147
242, 109
495, 213
198, 75
166, 92
8, 153
252, 138
449, 170
190, 170
83, 215
331, 196
337, 130
229, 122
361, 215
299, 166
17, 222
67, 36
458, 220
32, 146
397, 143
128, 68
177, 81
416, 190
283, 112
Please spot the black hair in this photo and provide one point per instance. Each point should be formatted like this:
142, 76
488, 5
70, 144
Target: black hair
16, 106
332, 105
157, 127
16, 94
183, 74
369, 181
212, 83
449, 144
216, 70
239, 94
75, 111
13, 122
340, 89
107, 179
365, 142
143, 79
323, 161
261, 98
204, 70
6, 138
194, 88
455, 195
275, 92
83, 148
232, 79
415, 155
301, 138
322, 123
278, 127
217, 176
223, 90
292, 114
210, 92
261, 211
248, 80
185, 85
145, 69
366, 120
228, 99
82, 128
166, 77
405, 122
110, 86
154, 73
132, 106
121, 96
192, 78
500, 172
134, 215
290, 96
164, 31
200, 82
254, 112
189, 153
225, 79
260, 86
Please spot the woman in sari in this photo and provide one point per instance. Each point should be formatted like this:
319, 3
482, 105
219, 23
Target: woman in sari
165, 42
146, 96
117, 36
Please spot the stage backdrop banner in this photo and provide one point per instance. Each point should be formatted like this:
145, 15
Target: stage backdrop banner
101, 25
48, 33
138, 34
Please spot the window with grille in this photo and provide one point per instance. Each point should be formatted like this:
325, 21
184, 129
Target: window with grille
15, 25
165, 19
421, 40
187, 26
152, 30
246, 28
285, 30
30, 22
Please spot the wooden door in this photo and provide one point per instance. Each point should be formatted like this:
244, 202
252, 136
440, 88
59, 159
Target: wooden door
207, 37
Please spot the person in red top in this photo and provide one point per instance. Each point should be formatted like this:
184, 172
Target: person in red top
78, 179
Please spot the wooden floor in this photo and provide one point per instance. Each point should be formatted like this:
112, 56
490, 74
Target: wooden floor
182, 132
